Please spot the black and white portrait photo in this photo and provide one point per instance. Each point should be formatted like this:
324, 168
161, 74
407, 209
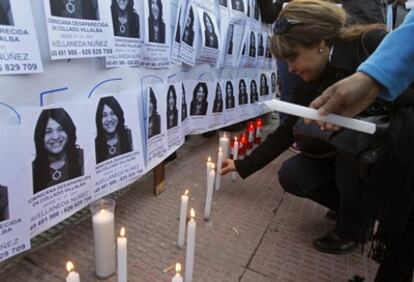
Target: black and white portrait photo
199, 103
242, 92
172, 111
184, 111
76, 9
178, 28
209, 32
273, 81
264, 88
256, 10
156, 24
6, 16
223, 3
188, 34
125, 18
254, 96
218, 100
113, 138
260, 47
58, 157
237, 5
154, 119
4, 204
252, 46
230, 39
267, 52
229, 95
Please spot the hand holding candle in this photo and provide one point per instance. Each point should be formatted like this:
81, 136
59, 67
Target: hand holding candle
183, 219
189, 257
73, 276
177, 277
122, 256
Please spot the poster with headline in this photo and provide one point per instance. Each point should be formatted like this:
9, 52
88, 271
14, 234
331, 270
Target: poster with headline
210, 40
252, 49
156, 127
260, 49
273, 84
19, 51
61, 157
224, 31
254, 108
242, 100
238, 11
189, 39
128, 29
176, 42
14, 212
157, 49
230, 113
118, 148
264, 87
200, 102
175, 137
185, 121
79, 29
217, 112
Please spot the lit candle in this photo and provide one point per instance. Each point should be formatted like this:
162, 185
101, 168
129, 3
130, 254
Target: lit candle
224, 144
177, 277
235, 155
73, 276
209, 196
219, 165
104, 239
122, 256
189, 257
183, 218
208, 165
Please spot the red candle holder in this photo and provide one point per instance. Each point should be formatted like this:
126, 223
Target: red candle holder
258, 133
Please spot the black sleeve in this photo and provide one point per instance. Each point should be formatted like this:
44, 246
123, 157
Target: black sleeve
370, 41
274, 145
270, 10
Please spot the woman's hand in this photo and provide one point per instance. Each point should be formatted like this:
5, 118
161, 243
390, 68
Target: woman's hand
227, 166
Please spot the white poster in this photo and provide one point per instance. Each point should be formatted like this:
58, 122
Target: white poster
185, 123
210, 40
189, 40
238, 10
273, 83
118, 148
14, 211
264, 89
254, 107
79, 29
157, 34
175, 138
62, 162
243, 100
244, 52
260, 49
199, 105
224, 23
217, 115
179, 23
230, 113
19, 51
157, 144
252, 56
128, 29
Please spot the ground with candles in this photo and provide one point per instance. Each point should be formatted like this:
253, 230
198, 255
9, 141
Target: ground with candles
256, 232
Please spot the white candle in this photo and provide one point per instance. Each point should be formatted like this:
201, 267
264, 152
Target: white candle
235, 155
219, 165
208, 166
183, 219
104, 239
305, 112
73, 276
209, 195
224, 144
189, 257
177, 277
122, 256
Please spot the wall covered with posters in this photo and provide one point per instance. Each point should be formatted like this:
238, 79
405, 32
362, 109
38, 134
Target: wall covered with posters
95, 93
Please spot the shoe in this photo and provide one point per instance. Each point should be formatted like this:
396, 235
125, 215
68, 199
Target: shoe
333, 243
295, 148
331, 215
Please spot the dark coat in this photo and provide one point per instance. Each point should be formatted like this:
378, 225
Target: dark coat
132, 25
161, 32
156, 126
193, 108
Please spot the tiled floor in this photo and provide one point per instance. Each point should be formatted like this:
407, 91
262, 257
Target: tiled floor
256, 232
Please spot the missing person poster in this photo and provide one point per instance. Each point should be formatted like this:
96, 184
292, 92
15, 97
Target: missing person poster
19, 51
14, 212
156, 126
61, 160
185, 123
118, 148
200, 99
79, 29
234, 45
217, 113
210, 37
252, 49
190, 35
242, 100
179, 23
175, 138
254, 108
230, 113
238, 11
224, 28
128, 29
157, 34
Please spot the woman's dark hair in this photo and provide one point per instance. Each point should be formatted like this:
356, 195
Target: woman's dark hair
191, 16
218, 87
171, 89
206, 17
253, 82
159, 4
265, 79
244, 83
100, 140
129, 8
204, 86
41, 162
228, 83
153, 100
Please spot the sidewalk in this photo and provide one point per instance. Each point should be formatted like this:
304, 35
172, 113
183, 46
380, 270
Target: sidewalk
256, 233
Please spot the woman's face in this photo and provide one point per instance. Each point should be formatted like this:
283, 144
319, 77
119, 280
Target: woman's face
155, 10
218, 93
122, 4
55, 138
150, 108
109, 120
209, 25
308, 63
229, 92
200, 94
171, 101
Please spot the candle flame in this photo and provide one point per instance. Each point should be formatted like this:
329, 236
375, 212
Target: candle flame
209, 159
186, 192
69, 266
122, 233
102, 211
178, 267
220, 150
235, 139
192, 213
